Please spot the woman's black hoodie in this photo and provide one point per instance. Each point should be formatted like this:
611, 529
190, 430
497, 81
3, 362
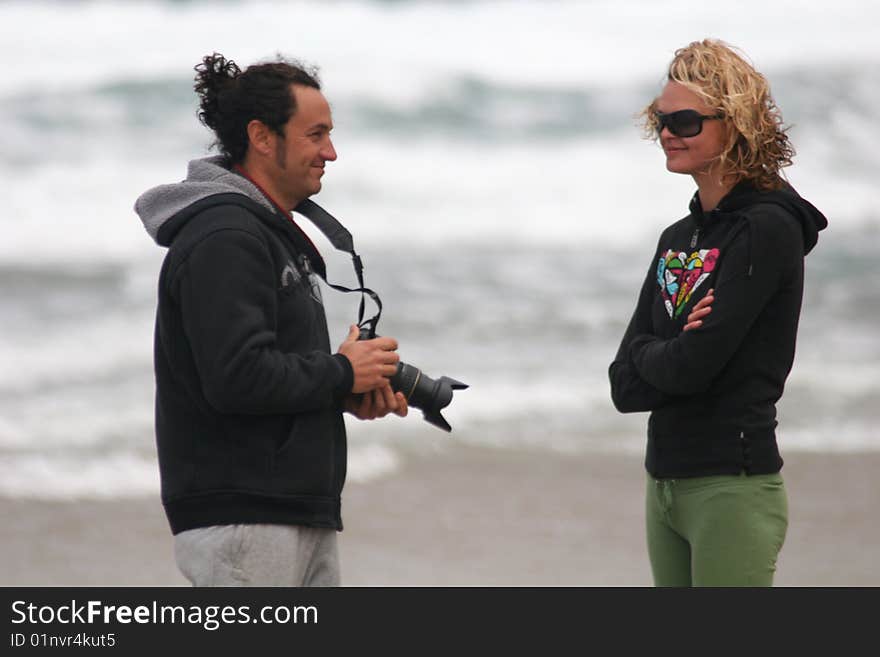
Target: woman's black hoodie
712, 391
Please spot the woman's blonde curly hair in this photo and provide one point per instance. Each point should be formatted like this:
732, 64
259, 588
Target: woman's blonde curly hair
757, 146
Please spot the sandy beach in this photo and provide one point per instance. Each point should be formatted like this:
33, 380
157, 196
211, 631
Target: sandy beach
470, 517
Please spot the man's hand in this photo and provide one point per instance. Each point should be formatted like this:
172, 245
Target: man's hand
373, 361
703, 308
377, 403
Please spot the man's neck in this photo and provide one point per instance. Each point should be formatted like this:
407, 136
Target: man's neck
264, 184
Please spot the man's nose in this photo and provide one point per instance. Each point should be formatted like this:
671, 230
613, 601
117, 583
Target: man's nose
329, 151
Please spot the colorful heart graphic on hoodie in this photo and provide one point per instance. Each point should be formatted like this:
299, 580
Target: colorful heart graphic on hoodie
680, 274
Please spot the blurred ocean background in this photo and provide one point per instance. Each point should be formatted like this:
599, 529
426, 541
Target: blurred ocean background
491, 171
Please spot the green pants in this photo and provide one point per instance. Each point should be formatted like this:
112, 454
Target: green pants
722, 530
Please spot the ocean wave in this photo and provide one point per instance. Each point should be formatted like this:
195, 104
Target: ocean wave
504, 40
113, 476
833, 100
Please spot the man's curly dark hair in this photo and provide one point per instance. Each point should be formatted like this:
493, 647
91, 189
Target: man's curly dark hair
230, 98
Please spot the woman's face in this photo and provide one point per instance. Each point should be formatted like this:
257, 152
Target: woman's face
690, 155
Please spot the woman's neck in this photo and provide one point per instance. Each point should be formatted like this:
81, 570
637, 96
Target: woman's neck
711, 188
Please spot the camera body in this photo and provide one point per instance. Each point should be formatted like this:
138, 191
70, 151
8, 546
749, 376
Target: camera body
420, 390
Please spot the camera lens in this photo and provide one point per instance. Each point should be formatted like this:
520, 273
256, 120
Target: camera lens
406, 380
421, 391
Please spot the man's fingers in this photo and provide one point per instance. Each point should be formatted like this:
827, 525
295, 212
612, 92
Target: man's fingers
391, 400
365, 409
374, 406
380, 401
378, 375
402, 406
373, 361
385, 343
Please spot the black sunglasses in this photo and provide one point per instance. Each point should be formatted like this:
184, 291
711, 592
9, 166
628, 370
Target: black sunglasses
683, 123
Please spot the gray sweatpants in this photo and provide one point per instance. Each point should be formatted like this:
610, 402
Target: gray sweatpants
258, 555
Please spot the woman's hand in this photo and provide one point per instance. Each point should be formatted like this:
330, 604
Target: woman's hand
703, 308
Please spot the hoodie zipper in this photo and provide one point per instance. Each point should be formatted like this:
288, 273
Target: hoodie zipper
695, 238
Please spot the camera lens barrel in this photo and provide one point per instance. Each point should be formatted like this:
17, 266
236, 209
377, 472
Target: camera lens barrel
405, 380
421, 391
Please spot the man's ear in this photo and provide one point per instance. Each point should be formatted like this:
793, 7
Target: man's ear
261, 138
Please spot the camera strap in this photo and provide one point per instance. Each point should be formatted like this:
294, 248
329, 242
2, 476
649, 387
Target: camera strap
342, 240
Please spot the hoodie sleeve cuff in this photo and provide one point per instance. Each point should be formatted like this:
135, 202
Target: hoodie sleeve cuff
346, 376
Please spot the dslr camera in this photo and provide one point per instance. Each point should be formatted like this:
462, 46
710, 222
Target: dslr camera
420, 390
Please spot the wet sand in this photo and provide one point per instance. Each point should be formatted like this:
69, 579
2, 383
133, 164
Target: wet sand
470, 517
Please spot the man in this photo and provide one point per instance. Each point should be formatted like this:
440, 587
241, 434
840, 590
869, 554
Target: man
249, 399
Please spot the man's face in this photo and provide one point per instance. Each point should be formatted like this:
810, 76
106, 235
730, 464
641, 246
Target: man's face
300, 156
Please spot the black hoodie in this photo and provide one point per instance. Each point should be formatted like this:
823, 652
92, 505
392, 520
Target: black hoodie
249, 423
712, 391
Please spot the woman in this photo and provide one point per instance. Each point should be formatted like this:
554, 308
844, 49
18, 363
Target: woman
712, 339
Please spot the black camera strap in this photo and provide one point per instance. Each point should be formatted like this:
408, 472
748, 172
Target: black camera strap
342, 240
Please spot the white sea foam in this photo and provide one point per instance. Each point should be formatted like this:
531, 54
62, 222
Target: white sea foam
369, 462
86, 351
42, 476
830, 436
115, 475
